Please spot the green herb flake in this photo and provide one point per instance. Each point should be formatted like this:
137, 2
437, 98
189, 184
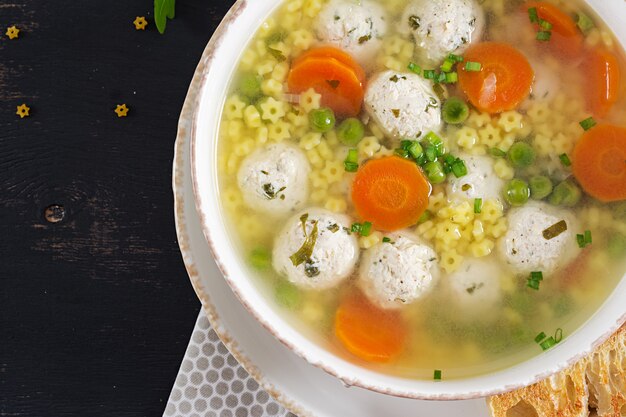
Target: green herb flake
548, 343
414, 22
366, 229
306, 250
555, 230
334, 228
437, 375
588, 123
544, 35
396, 113
540, 337
163, 10
414, 68
333, 83
584, 23
364, 39
533, 15
478, 205
565, 160
386, 240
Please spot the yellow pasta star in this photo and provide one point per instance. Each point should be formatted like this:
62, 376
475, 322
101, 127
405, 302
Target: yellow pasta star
140, 23
121, 110
12, 32
23, 111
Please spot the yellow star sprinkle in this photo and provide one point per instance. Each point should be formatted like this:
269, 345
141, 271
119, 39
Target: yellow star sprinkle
23, 111
121, 110
13, 32
140, 23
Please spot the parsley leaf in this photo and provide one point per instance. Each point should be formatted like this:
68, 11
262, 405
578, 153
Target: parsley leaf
163, 10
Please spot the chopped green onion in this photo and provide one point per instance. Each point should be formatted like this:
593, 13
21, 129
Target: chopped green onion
540, 337
355, 228
588, 123
533, 15
565, 160
555, 230
441, 77
414, 68
386, 240
584, 23
548, 343
406, 144
545, 25
415, 150
437, 143
430, 74
353, 155
366, 229
455, 58
434, 172
533, 284
588, 237
424, 217
558, 335
478, 205
536, 276
473, 66
351, 163
351, 167
497, 152
430, 153
581, 240
459, 169
437, 375
447, 65
543, 35
452, 77
260, 258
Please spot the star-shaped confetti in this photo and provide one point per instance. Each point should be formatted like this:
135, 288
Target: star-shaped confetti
121, 110
13, 32
23, 111
140, 23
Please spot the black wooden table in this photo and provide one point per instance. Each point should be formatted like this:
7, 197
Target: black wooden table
95, 305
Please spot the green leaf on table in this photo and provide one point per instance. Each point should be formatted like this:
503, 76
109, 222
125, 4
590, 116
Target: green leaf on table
163, 10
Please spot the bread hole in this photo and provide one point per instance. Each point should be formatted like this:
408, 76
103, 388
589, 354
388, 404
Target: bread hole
570, 389
522, 409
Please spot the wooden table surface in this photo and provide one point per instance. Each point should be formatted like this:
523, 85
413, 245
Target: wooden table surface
95, 309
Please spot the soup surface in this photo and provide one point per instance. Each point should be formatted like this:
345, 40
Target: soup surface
432, 189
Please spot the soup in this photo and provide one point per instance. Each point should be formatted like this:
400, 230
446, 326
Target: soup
431, 189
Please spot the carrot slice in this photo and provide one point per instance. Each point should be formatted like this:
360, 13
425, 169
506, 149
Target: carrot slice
566, 39
390, 192
369, 332
336, 53
504, 80
339, 86
599, 162
602, 81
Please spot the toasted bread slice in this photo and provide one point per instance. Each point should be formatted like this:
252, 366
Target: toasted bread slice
597, 382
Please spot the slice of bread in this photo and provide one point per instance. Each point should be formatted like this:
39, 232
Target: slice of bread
596, 384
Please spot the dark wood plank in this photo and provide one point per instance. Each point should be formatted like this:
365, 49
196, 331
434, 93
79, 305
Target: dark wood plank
95, 310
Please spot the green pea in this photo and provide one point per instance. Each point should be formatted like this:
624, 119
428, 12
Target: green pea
455, 111
250, 86
566, 194
617, 246
287, 295
516, 192
260, 258
521, 155
350, 132
322, 120
434, 172
540, 187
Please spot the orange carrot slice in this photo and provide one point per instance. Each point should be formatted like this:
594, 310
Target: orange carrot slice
336, 53
390, 192
599, 162
369, 332
339, 86
504, 80
566, 39
602, 81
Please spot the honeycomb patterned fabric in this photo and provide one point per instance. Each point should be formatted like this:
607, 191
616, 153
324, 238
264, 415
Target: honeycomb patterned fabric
595, 386
211, 383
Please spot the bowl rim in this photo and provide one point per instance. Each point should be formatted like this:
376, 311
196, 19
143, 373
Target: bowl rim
350, 373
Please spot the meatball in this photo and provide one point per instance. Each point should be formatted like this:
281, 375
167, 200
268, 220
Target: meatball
525, 246
481, 180
403, 104
398, 272
315, 249
475, 287
355, 26
275, 179
441, 27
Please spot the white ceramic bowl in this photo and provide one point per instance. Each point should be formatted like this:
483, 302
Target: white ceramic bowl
221, 58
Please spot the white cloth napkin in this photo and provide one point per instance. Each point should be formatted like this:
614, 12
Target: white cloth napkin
211, 383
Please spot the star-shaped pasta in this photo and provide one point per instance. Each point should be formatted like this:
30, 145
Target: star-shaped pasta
13, 32
23, 111
140, 23
121, 110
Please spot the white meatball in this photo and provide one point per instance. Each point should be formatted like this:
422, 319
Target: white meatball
481, 180
334, 254
524, 246
441, 27
475, 287
355, 26
275, 179
403, 104
398, 272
